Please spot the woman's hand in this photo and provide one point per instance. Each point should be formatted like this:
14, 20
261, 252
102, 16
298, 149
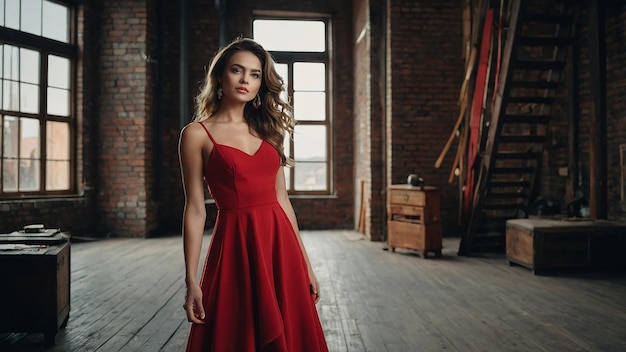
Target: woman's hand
314, 286
193, 304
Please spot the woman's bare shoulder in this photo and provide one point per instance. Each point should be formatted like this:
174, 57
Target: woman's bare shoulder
193, 131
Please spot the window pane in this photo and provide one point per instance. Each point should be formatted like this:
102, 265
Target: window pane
310, 176
290, 35
58, 102
29, 175
31, 16
29, 66
57, 141
1, 12
287, 177
11, 96
12, 14
57, 175
9, 175
58, 156
58, 72
309, 106
29, 141
29, 98
309, 76
309, 143
10, 137
55, 21
1, 55
283, 72
287, 150
11, 62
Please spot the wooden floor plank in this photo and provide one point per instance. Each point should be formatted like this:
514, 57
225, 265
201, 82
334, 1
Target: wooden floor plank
127, 295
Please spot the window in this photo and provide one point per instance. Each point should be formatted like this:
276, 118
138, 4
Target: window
36, 115
300, 48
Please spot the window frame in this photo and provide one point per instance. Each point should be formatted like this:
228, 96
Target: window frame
289, 58
46, 47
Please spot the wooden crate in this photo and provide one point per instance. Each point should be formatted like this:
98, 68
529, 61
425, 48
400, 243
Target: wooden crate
35, 297
541, 244
414, 219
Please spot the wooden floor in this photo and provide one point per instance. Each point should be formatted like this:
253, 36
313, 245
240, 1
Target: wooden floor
127, 295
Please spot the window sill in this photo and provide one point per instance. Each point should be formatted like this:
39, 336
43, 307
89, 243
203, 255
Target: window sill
7, 205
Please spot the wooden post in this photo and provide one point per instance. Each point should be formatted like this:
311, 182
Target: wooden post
573, 119
597, 143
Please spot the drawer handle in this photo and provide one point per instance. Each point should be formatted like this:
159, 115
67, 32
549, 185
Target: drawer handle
406, 197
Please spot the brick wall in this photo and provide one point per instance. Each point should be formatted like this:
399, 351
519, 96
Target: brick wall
616, 105
125, 121
369, 128
362, 111
615, 31
426, 71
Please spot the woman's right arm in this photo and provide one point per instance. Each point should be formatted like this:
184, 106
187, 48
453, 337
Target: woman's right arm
190, 154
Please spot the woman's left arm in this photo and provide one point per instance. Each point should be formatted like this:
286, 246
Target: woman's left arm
285, 203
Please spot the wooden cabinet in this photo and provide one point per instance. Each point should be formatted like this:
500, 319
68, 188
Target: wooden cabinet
542, 244
414, 219
35, 296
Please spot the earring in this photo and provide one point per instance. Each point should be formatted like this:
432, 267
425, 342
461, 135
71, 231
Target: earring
220, 92
256, 102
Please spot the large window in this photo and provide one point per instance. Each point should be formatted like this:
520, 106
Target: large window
36, 115
300, 48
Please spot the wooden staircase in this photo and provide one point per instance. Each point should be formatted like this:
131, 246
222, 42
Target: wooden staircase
532, 65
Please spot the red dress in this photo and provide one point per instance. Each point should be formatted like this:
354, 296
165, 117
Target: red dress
255, 283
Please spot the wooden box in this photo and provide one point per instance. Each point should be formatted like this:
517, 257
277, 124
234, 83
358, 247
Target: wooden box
414, 219
35, 297
541, 244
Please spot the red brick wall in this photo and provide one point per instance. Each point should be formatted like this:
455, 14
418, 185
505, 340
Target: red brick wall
362, 111
368, 116
426, 72
125, 121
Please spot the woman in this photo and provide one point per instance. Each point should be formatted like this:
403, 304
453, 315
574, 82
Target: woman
258, 290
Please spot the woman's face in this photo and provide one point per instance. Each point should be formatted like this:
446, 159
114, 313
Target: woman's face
242, 77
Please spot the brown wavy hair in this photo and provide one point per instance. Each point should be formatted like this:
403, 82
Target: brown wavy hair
273, 119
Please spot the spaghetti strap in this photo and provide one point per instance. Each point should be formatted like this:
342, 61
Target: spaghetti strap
207, 132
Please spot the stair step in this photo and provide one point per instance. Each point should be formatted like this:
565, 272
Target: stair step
537, 100
545, 41
522, 139
538, 119
534, 84
508, 195
492, 241
513, 170
543, 18
488, 226
512, 206
539, 65
503, 184
500, 220
517, 156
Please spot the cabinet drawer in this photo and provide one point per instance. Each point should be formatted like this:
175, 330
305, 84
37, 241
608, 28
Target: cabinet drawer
406, 235
413, 214
400, 196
